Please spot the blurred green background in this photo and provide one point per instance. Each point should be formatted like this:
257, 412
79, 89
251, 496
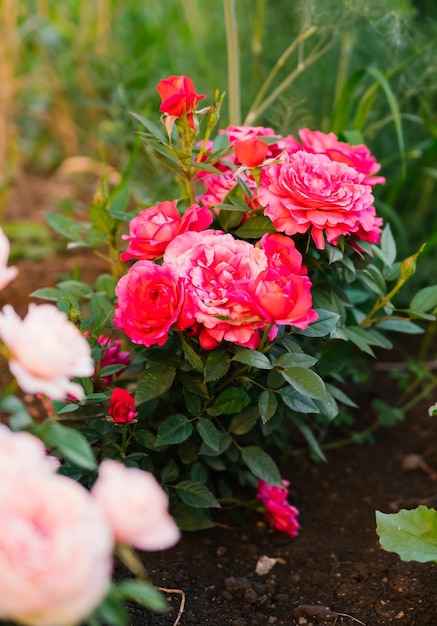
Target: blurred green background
71, 72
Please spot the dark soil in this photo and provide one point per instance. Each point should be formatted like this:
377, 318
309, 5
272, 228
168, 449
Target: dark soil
335, 571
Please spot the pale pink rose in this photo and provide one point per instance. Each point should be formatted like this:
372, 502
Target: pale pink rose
150, 298
45, 351
358, 157
152, 229
6, 273
312, 193
218, 186
21, 453
55, 551
279, 513
135, 506
217, 271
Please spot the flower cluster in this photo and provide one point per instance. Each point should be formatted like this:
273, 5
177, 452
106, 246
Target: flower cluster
58, 538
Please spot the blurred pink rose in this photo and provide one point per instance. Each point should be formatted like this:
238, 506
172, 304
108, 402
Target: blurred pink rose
217, 270
112, 355
153, 229
310, 192
55, 551
150, 297
23, 454
136, 507
358, 157
279, 513
6, 273
45, 351
121, 406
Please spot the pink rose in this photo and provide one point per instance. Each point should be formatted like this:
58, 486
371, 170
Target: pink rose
45, 351
178, 96
217, 271
217, 187
135, 507
312, 192
55, 551
6, 273
112, 355
358, 157
153, 229
121, 406
149, 302
23, 454
279, 513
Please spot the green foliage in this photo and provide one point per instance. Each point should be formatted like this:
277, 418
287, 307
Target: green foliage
410, 533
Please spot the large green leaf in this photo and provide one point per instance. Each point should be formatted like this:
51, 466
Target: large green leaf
425, 299
230, 401
306, 382
410, 533
189, 518
267, 405
323, 326
196, 495
153, 382
142, 593
175, 429
255, 228
261, 465
69, 442
65, 226
253, 358
216, 365
209, 433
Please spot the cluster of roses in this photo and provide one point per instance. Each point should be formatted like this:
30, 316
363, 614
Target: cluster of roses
225, 289
58, 538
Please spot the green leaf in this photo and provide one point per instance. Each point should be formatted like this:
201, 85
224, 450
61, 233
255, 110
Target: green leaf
47, 293
267, 405
189, 518
297, 402
209, 433
410, 533
76, 288
425, 299
401, 326
106, 284
306, 382
151, 127
261, 465
195, 494
70, 443
112, 610
20, 417
254, 359
243, 422
388, 245
360, 338
295, 359
216, 365
154, 382
230, 401
255, 228
175, 429
143, 593
323, 326
65, 226
191, 355
309, 436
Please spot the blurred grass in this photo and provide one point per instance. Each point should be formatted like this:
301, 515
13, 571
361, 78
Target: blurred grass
71, 72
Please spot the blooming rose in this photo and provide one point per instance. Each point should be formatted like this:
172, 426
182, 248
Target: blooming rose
178, 96
153, 229
149, 302
6, 273
312, 192
55, 550
217, 271
358, 157
135, 506
279, 513
21, 453
251, 152
121, 406
45, 351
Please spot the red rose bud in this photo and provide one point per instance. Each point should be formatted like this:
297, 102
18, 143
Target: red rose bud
121, 406
251, 152
178, 96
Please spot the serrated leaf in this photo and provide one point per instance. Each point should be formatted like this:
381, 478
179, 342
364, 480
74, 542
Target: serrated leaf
69, 442
209, 433
261, 465
196, 494
388, 245
410, 533
191, 355
306, 382
254, 359
295, 359
230, 401
216, 365
243, 422
323, 326
297, 402
255, 228
142, 593
424, 300
175, 429
267, 405
153, 382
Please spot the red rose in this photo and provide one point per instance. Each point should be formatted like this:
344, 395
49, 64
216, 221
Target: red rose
251, 152
121, 406
178, 96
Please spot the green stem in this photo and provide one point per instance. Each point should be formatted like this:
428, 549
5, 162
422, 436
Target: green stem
233, 62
